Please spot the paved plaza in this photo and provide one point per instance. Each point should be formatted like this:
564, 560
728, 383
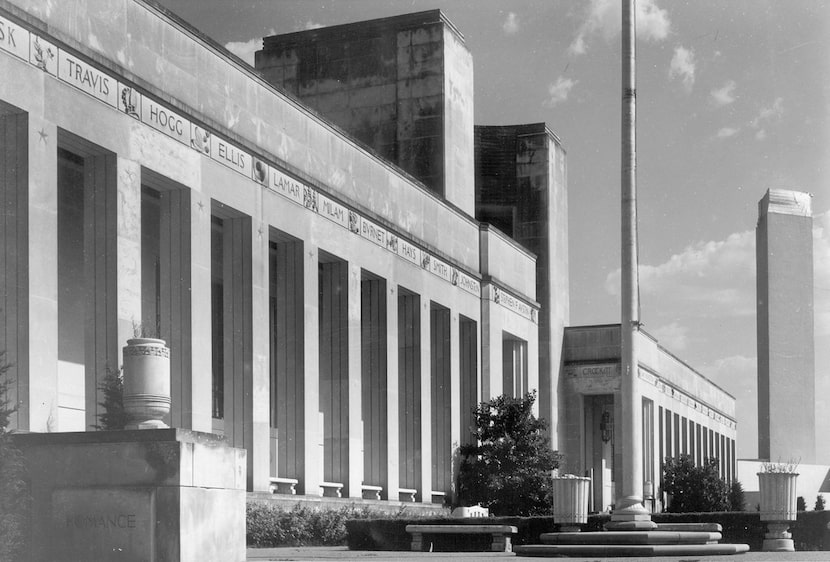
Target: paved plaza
342, 553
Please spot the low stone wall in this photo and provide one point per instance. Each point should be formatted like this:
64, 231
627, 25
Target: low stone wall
810, 532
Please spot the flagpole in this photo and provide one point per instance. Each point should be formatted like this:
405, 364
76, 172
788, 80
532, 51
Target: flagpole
628, 507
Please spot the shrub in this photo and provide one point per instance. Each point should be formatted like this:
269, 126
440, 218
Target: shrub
509, 469
800, 504
694, 488
819, 503
13, 489
271, 525
736, 497
112, 415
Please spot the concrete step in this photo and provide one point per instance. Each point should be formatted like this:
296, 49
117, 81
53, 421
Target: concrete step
640, 550
631, 537
700, 527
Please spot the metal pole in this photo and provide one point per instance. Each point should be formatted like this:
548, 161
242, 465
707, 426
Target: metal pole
628, 505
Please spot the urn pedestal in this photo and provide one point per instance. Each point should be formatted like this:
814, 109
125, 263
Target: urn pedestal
778, 508
570, 502
146, 383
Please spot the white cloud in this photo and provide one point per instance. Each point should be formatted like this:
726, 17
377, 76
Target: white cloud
245, 49
726, 132
312, 25
761, 134
604, 18
769, 114
738, 375
511, 24
724, 95
558, 91
673, 336
707, 280
682, 66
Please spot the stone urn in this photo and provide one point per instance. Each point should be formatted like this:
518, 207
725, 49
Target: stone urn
778, 508
146, 383
570, 502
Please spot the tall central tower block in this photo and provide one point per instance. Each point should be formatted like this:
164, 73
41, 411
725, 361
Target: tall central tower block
402, 85
786, 360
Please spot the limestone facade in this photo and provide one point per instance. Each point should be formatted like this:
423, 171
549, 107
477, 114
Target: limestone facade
324, 311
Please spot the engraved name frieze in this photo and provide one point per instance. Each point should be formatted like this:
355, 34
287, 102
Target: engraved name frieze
87, 78
14, 39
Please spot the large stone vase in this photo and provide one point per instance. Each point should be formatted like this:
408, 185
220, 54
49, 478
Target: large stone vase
778, 508
570, 502
146, 383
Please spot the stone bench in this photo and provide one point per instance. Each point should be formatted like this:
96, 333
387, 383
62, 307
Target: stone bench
283, 485
332, 489
371, 492
501, 534
406, 494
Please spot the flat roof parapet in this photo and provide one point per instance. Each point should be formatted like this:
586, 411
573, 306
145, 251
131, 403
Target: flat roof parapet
355, 29
786, 202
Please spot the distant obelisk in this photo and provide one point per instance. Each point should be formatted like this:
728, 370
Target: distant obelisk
628, 507
786, 349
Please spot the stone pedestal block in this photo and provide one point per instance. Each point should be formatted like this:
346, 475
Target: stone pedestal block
143, 495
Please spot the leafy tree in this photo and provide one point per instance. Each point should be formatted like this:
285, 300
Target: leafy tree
509, 470
13, 489
819, 503
694, 488
736, 497
113, 415
800, 504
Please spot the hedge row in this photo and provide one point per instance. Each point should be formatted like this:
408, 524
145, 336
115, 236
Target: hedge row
810, 532
270, 525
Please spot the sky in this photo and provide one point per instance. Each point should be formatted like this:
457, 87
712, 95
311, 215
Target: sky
733, 98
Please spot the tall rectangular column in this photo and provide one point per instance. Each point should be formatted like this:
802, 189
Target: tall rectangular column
257, 388
42, 278
128, 250
426, 404
392, 391
312, 419
355, 433
196, 407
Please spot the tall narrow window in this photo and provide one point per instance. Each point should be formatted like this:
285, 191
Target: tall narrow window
440, 374
72, 300
334, 367
648, 442
409, 389
373, 379
151, 263
287, 308
217, 299
468, 336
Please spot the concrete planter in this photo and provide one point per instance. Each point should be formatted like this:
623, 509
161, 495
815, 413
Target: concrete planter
778, 508
146, 383
570, 501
